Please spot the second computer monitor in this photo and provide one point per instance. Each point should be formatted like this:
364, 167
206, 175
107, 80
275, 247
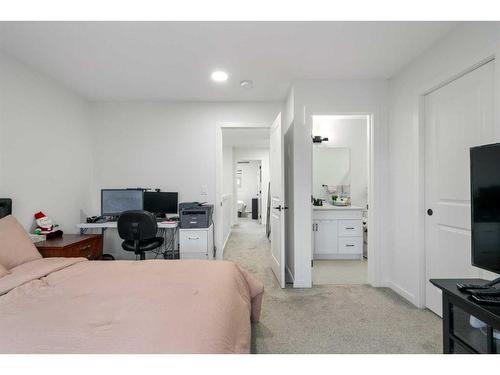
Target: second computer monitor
161, 203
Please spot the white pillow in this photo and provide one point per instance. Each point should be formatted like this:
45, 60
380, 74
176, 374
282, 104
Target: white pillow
16, 246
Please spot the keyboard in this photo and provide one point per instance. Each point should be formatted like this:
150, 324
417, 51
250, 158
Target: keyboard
486, 299
103, 220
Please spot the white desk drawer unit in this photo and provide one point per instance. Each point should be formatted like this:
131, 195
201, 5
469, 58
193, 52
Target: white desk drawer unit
196, 243
338, 232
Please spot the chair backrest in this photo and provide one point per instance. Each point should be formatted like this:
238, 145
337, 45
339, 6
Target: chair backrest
137, 225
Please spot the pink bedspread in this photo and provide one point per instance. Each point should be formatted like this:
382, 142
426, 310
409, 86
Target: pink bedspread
154, 306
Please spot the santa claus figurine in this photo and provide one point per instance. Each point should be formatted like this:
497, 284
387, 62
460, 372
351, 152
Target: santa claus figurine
43, 224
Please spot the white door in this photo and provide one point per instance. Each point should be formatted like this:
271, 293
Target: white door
277, 203
325, 237
457, 116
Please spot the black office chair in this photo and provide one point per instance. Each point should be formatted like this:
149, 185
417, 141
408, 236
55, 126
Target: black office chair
138, 230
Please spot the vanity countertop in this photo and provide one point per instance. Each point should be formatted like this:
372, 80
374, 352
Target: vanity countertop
331, 207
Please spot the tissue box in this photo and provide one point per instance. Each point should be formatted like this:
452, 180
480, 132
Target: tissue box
37, 237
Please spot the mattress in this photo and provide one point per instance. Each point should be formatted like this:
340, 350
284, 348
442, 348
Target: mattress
71, 305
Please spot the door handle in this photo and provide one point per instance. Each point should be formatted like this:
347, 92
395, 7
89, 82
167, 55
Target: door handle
280, 207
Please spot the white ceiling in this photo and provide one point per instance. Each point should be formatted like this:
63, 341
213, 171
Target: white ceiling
245, 137
173, 60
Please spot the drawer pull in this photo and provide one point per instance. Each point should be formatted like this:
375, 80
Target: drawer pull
86, 247
193, 238
351, 228
349, 245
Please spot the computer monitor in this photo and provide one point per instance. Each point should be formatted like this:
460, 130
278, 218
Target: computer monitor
161, 203
116, 201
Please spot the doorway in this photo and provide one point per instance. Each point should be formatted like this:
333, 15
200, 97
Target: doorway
245, 181
249, 180
341, 193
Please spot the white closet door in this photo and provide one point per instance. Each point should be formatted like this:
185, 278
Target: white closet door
457, 116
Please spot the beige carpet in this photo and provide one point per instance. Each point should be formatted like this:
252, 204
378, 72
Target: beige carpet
328, 272
329, 319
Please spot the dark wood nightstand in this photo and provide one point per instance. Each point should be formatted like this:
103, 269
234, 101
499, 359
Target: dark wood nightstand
72, 245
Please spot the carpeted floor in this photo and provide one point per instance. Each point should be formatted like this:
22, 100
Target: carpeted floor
329, 319
328, 272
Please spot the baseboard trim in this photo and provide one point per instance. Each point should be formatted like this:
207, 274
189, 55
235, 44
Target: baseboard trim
410, 297
227, 239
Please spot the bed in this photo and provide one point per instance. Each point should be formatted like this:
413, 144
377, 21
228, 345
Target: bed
72, 305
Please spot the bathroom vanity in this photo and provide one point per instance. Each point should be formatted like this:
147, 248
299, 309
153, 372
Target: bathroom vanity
337, 232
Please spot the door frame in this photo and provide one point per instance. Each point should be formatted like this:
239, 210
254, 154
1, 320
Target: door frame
259, 194
374, 213
219, 144
454, 74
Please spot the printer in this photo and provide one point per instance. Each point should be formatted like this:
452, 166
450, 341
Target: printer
195, 215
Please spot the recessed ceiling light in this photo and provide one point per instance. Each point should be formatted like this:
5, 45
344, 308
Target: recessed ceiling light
246, 84
219, 76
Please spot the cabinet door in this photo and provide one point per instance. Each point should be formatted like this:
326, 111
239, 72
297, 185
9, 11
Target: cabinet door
325, 237
193, 241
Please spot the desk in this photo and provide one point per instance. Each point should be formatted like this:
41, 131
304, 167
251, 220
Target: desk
166, 230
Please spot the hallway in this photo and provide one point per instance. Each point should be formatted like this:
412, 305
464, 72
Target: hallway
329, 319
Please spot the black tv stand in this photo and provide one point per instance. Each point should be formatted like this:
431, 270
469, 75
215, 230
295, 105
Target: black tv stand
468, 327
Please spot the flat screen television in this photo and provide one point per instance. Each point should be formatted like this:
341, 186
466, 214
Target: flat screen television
485, 206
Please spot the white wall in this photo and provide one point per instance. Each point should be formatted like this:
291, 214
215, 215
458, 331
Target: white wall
262, 155
46, 153
228, 198
165, 145
463, 47
228, 170
352, 133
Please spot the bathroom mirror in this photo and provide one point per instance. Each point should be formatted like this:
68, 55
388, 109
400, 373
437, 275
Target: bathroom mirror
331, 166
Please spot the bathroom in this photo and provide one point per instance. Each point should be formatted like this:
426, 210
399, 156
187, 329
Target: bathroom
340, 199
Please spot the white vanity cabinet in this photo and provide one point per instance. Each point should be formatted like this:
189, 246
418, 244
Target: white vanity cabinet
337, 232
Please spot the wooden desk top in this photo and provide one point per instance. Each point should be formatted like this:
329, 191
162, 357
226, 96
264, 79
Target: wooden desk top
65, 240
